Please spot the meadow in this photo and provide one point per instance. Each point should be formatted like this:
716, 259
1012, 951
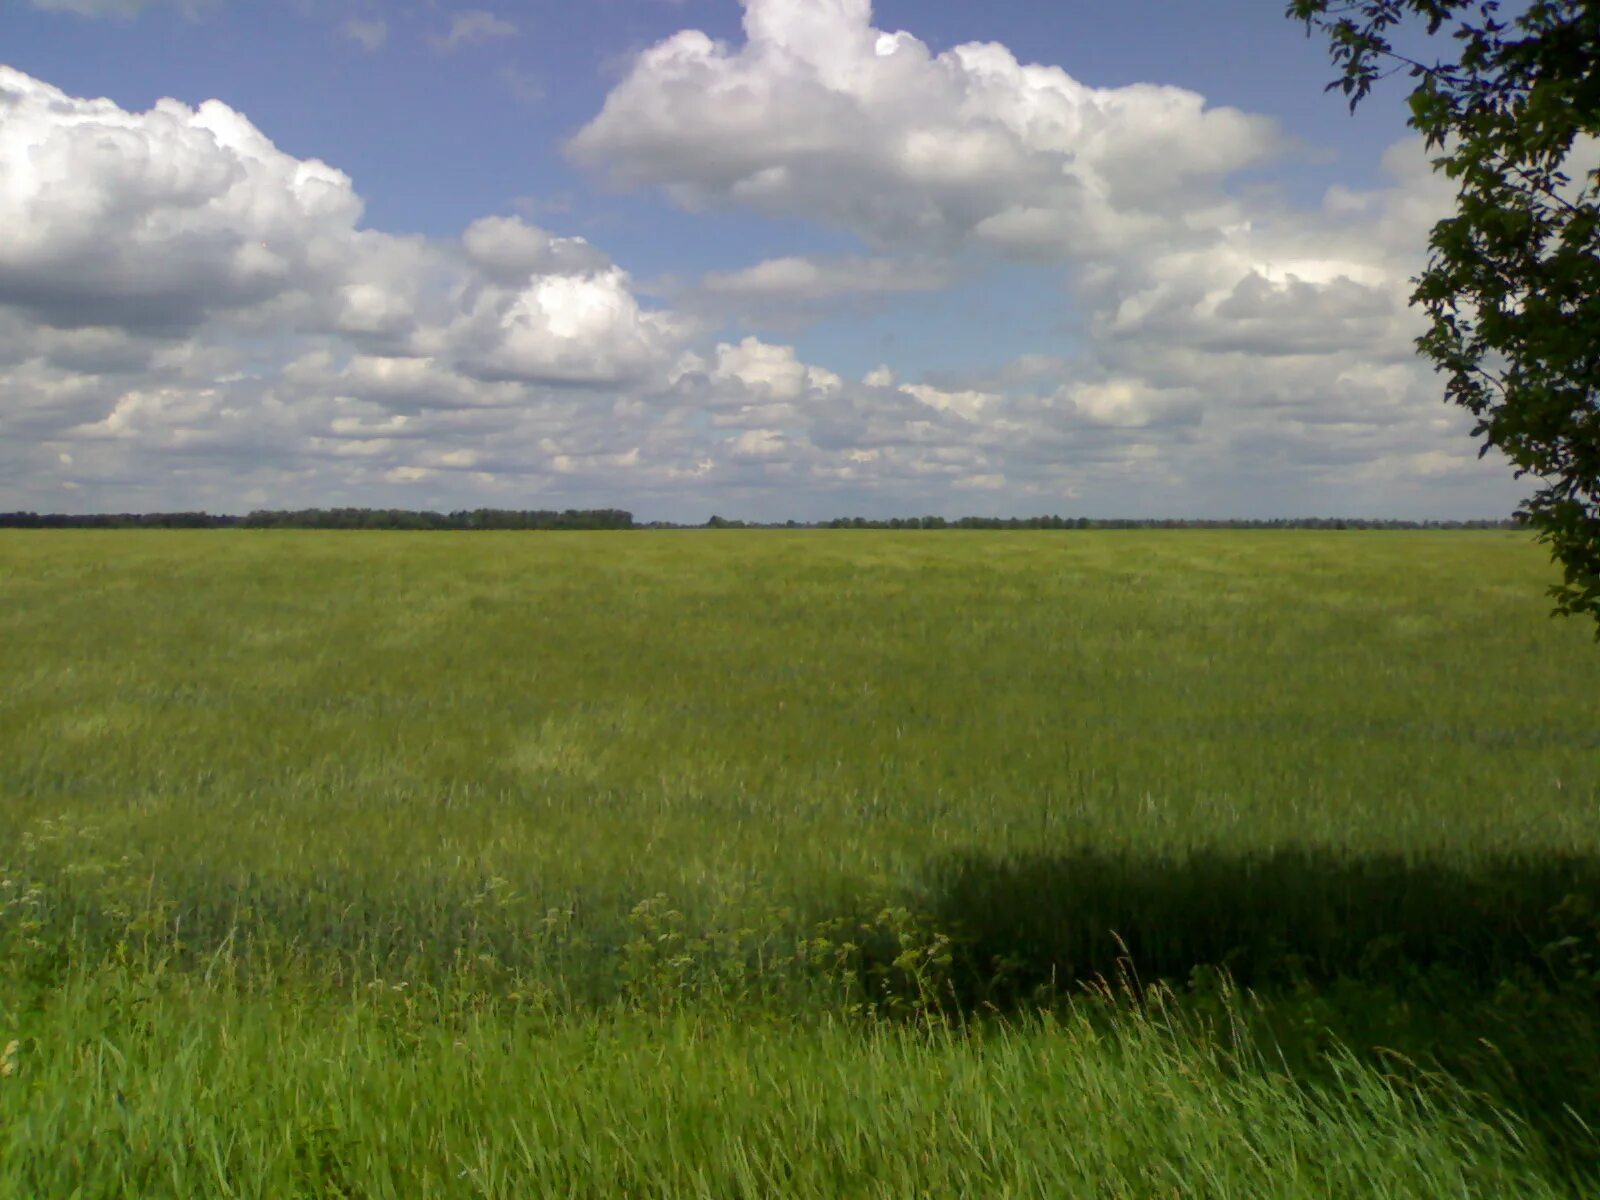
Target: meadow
759, 863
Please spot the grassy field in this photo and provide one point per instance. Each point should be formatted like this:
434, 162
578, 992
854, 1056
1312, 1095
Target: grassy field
810, 864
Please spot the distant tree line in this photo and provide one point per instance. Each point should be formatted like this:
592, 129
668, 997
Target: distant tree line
174, 520
1161, 523
332, 518
477, 518
616, 518
1056, 522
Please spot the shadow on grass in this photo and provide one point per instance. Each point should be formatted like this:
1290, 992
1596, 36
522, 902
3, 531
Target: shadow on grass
1291, 913
1488, 971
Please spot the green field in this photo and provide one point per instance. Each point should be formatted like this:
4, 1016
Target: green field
796, 864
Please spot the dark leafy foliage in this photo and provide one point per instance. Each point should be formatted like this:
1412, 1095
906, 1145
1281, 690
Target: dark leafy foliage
1512, 283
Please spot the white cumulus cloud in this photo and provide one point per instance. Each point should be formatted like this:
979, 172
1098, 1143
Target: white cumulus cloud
157, 218
820, 115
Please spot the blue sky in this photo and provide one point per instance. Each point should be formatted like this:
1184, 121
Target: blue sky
789, 300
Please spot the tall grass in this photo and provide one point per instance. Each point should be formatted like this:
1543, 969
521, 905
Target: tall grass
587, 864
213, 1094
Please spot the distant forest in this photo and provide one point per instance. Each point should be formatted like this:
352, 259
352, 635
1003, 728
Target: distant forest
616, 518
333, 518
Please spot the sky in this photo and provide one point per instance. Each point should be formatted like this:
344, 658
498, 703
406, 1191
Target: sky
769, 259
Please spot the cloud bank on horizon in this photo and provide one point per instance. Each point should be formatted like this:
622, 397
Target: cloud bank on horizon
191, 317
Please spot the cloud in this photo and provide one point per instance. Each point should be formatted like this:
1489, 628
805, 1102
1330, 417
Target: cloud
157, 219
821, 116
586, 330
167, 221
370, 35
795, 279
794, 291
762, 372
508, 249
121, 10
473, 27
92, 8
